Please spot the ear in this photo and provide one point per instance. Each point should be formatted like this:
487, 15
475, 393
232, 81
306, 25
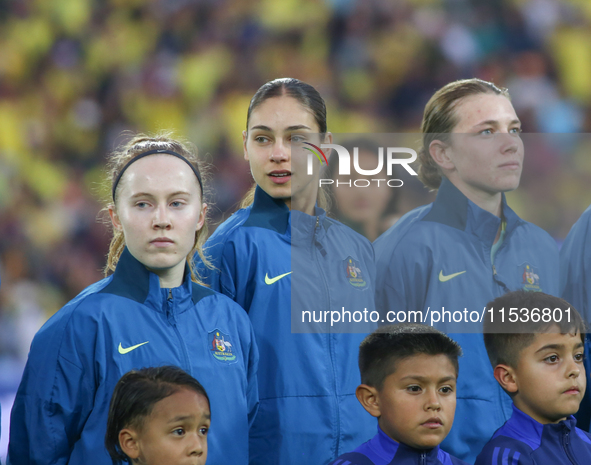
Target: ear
128, 441
369, 398
505, 376
244, 139
114, 218
202, 216
439, 151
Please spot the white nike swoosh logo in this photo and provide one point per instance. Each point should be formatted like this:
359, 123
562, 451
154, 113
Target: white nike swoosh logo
275, 279
443, 278
123, 351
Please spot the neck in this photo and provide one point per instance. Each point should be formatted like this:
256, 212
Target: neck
302, 203
171, 277
492, 203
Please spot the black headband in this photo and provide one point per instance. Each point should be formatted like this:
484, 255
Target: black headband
151, 152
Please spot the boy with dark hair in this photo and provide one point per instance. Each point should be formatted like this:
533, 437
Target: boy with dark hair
408, 376
535, 345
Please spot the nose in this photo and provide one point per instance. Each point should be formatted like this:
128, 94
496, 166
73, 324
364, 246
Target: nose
280, 151
573, 369
510, 142
432, 401
197, 446
161, 219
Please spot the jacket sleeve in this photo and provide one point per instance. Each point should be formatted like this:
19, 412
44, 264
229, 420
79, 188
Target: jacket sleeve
53, 401
502, 452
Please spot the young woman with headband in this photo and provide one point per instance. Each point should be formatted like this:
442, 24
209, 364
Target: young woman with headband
281, 255
151, 311
467, 247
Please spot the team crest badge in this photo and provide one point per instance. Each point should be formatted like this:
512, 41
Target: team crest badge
221, 347
530, 280
353, 272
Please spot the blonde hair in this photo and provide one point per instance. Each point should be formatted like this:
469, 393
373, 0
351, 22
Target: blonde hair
440, 119
139, 144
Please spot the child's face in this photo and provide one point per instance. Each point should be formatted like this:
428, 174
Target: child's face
550, 377
417, 402
176, 431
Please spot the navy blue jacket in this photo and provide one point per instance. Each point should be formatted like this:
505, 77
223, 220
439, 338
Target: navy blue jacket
439, 255
277, 264
61, 407
524, 441
383, 450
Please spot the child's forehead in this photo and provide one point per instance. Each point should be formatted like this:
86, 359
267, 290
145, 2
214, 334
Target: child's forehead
423, 365
553, 337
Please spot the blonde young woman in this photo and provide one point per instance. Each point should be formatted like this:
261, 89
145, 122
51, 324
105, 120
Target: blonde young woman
151, 311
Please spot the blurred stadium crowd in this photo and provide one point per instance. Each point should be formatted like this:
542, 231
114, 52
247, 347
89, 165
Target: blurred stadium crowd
74, 74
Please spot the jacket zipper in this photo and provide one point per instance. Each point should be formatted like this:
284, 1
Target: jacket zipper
423, 458
172, 320
329, 336
566, 443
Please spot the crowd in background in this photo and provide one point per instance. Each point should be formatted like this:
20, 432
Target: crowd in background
75, 74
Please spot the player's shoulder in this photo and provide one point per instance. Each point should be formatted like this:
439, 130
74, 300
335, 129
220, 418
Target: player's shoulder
503, 449
405, 228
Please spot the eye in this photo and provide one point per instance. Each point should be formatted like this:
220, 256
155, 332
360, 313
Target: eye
178, 432
486, 132
203, 430
579, 357
261, 139
297, 138
446, 389
414, 388
515, 131
142, 204
551, 359
176, 203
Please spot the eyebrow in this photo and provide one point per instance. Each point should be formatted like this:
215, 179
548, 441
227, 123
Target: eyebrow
494, 122
426, 379
187, 417
557, 347
147, 194
289, 128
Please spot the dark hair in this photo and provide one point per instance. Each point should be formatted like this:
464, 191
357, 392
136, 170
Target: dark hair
504, 339
379, 352
302, 92
440, 119
135, 395
309, 98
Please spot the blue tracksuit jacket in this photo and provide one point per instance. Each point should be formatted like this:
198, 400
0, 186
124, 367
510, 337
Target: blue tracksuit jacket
439, 256
575, 288
524, 441
383, 450
77, 357
272, 261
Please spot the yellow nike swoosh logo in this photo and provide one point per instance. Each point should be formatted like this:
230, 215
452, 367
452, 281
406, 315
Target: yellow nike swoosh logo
123, 351
276, 278
443, 278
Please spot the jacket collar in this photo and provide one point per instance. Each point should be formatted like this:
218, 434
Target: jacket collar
269, 213
387, 448
132, 280
454, 209
530, 431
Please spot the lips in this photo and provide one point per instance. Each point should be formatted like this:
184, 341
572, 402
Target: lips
162, 241
433, 423
511, 165
572, 390
280, 176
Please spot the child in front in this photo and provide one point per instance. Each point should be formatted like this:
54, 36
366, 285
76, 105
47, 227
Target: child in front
158, 416
540, 365
408, 376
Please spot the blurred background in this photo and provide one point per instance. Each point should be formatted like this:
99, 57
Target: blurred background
74, 74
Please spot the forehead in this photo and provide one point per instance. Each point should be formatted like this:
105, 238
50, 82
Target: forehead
158, 173
280, 113
184, 402
426, 366
476, 109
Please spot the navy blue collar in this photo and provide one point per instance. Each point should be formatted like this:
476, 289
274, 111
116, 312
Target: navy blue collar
454, 209
134, 281
267, 212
